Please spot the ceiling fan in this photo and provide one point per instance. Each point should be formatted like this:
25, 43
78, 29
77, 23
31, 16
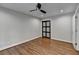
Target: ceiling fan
38, 7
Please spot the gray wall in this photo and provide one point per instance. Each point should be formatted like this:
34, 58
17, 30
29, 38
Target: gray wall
61, 27
16, 28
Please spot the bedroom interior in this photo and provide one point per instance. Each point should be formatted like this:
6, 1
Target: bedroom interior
39, 28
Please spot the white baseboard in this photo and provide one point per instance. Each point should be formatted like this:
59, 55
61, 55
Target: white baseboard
9, 46
62, 40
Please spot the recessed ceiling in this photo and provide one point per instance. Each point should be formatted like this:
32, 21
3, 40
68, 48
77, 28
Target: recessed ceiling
51, 8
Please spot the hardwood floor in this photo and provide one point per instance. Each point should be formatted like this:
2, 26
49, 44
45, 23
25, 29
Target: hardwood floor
41, 46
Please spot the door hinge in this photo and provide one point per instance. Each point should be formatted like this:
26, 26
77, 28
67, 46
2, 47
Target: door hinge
75, 43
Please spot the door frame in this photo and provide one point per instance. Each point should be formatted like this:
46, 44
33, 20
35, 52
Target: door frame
74, 28
46, 26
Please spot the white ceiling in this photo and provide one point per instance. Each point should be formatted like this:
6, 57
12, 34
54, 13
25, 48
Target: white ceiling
51, 8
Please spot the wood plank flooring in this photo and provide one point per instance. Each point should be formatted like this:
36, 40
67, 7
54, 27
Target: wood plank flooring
41, 46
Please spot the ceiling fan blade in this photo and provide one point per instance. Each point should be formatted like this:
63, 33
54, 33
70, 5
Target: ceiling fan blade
38, 6
43, 11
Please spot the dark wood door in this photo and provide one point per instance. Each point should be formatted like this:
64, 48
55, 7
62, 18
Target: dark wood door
46, 29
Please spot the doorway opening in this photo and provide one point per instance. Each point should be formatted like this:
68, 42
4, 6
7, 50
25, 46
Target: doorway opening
46, 29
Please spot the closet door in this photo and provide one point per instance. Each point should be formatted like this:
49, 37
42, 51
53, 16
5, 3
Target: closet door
46, 29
